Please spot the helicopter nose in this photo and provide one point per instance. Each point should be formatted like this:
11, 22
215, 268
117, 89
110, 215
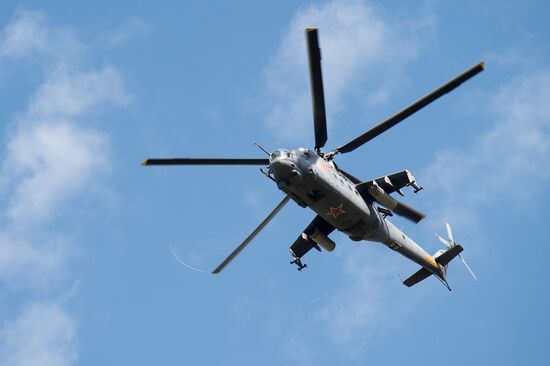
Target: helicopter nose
285, 170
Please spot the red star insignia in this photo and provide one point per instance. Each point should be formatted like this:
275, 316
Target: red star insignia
336, 211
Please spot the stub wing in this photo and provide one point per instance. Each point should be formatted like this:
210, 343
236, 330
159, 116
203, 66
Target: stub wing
315, 234
379, 190
396, 181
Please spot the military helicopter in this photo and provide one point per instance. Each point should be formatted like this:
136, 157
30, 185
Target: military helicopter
359, 209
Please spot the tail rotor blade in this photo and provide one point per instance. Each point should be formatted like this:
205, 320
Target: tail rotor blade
317, 91
251, 236
449, 232
451, 243
447, 243
468, 267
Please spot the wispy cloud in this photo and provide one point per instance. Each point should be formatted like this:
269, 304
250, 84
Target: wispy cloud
356, 42
32, 259
366, 304
43, 334
510, 160
52, 154
358, 311
48, 163
25, 37
130, 28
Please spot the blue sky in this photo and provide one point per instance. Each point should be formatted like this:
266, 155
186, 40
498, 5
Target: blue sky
89, 90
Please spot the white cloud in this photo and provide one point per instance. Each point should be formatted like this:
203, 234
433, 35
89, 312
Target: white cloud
132, 27
29, 36
52, 155
43, 334
510, 160
69, 94
31, 260
49, 163
354, 314
356, 42
367, 304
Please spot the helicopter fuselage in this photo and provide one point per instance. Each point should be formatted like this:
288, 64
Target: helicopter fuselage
316, 183
341, 201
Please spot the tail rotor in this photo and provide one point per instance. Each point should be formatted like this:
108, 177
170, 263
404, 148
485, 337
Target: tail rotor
449, 243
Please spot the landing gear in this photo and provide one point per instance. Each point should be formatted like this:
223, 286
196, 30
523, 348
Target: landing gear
297, 261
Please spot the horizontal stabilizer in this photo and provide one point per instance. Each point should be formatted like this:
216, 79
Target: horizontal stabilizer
418, 276
449, 254
442, 259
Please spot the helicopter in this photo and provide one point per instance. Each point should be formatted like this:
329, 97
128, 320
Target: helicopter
359, 209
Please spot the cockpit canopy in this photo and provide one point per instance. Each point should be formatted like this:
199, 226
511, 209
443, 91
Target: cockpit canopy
279, 153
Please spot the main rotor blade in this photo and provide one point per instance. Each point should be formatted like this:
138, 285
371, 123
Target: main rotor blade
411, 109
251, 236
317, 92
194, 161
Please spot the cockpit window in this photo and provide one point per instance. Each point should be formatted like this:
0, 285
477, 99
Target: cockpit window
275, 154
304, 152
280, 153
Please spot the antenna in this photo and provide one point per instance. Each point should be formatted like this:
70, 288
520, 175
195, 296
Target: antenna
257, 144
